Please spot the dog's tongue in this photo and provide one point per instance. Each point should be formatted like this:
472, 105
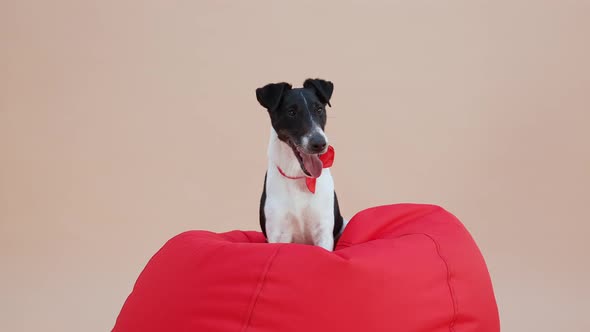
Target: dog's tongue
312, 164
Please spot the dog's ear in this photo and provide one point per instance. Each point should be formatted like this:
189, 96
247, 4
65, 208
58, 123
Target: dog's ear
323, 89
269, 96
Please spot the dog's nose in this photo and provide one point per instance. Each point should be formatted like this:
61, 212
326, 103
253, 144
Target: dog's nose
317, 143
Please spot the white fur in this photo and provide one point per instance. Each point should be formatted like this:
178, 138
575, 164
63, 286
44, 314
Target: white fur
293, 213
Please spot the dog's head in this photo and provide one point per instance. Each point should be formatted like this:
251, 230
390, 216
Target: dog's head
299, 117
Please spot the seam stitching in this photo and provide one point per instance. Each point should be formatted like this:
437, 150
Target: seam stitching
259, 288
449, 283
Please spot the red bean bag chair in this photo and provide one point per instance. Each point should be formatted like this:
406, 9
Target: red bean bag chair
400, 268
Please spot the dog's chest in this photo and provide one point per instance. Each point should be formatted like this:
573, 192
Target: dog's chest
297, 219
300, 207
295, 212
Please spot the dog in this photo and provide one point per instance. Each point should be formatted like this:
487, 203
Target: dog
298, 202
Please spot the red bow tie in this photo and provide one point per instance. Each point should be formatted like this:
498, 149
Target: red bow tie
327, 161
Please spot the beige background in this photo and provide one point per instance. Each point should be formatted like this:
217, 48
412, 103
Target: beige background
124, 123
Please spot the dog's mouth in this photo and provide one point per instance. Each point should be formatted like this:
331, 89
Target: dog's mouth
310, 164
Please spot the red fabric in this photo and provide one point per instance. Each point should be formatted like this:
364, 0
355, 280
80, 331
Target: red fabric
327, 162
400, 268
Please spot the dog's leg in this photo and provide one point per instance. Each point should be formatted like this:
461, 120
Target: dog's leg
324, 238
278, 226
321, 216
282, 237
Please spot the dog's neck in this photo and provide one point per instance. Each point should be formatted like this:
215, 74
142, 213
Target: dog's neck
281, 155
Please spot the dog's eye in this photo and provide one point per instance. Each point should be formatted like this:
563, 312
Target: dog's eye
319, 109
291, 112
